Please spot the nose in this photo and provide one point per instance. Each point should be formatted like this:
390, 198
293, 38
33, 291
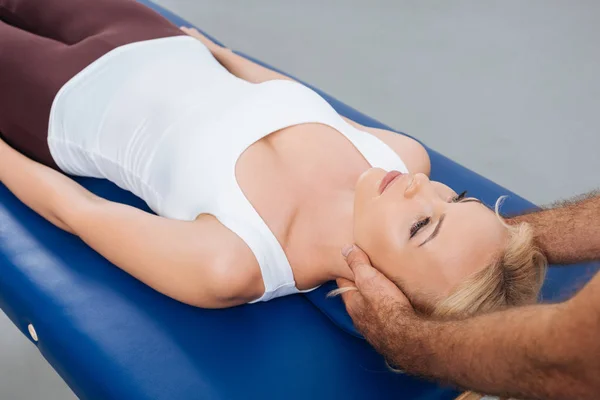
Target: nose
415, 185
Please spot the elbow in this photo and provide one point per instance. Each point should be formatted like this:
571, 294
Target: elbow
59, 214
73, 213
61, 219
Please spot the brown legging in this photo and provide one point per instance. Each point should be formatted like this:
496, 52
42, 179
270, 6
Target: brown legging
44, 43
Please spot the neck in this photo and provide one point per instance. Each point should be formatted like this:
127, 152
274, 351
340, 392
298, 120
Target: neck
336, 232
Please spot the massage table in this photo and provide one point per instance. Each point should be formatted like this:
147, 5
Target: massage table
111, 337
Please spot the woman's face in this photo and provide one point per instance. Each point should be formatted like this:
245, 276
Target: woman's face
420, 234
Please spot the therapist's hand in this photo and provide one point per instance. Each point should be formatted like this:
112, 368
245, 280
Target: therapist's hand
377, 306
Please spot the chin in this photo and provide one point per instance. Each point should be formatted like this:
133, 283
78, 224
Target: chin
366, 187
362, 179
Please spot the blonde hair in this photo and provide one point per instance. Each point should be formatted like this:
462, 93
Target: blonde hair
514, 278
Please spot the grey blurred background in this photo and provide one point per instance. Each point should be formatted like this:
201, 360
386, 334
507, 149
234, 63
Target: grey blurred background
510, 89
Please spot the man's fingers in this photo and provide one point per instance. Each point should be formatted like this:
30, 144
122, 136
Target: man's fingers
351, 298
370, 282
350, 287
361, 267
355, 257
344, 283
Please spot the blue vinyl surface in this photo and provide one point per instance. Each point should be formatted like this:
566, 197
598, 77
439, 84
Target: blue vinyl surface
111, 337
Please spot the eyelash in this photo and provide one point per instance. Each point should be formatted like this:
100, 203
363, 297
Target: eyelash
417, 226
459, 197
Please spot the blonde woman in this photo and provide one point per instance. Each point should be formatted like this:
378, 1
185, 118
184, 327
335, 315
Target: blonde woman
255, 180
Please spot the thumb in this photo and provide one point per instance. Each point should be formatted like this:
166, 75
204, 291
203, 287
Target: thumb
370, 282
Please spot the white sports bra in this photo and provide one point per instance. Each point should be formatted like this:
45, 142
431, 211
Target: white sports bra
164, 120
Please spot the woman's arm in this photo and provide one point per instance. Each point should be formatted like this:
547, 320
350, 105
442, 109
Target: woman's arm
39, 187
236, 64
177, 258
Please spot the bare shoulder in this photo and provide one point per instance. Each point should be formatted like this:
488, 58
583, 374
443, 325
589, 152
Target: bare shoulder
410, 151
234, 262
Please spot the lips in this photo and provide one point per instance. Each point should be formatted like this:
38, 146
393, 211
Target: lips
388, 180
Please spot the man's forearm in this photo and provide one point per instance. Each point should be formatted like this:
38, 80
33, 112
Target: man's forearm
570, 232
536, 352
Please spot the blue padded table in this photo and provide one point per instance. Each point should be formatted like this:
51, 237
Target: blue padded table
111, 337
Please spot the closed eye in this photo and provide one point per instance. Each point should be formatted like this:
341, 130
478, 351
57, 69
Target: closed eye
417, 226
459, 198
462, 198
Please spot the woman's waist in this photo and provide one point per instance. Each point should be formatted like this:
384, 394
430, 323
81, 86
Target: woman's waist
120, 111
155, 79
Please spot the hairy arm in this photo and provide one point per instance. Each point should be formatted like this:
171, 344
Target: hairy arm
569, 233
176, 258
536, 352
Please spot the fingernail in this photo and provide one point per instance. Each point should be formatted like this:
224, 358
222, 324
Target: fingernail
347, 249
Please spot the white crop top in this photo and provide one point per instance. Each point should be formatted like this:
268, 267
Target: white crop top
164, 120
